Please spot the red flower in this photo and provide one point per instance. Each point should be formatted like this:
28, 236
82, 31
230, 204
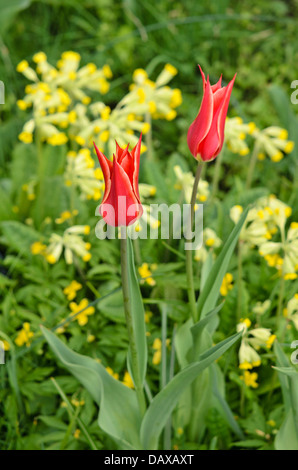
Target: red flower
206, 134
121, 203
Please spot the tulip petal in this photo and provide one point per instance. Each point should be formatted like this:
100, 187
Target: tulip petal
214, 87
107, 169
212, 144
201, 125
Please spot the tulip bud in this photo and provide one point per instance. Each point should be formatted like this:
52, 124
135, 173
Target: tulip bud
121, 205
206, 134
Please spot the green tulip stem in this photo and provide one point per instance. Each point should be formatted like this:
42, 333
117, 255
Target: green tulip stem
129, 324
188, 253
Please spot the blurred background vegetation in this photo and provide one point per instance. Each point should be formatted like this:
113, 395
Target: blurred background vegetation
256, 38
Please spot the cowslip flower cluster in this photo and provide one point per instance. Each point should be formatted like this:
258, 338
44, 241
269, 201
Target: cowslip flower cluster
272, 141
235, 134
263, 221
71, 242
283, 255
252, 340
53, 92
81, 174
153, 97
146, 100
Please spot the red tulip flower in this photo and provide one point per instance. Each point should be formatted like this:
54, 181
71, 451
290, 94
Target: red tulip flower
206, 134
121, 203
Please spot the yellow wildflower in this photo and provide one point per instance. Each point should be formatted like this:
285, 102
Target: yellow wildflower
227, 284
24, 336
82, 317
250, 379
71, 290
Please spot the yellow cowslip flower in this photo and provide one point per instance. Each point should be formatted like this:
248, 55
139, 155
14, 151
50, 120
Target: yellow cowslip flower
250, 379
127, 380
72, 243
39, 57
77, 434
26, 137
273, 142
139, 76
146, 274
82, 317
107, 71
112, 373
57, 139
24, 336
22, 66
71, 290
235, 135
22, 105
227, 284
252, 340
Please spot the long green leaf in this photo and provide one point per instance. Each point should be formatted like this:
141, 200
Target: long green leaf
163, 404
210, 292
119, 414
137, 312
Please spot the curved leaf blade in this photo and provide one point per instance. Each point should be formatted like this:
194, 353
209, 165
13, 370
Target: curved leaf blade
119, 413
163, 404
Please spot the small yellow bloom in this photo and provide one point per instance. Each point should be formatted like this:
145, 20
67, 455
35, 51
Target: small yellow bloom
22, 66
57, 139
39, 57
227, 284
250, 379
71, 290
171, 69
146, 274
24, 336
37, 248
82, 317
112, 373
127, 380
26, 137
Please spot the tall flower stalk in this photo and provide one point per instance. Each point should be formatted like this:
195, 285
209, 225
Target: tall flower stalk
189, 254
205, 140
129, 324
